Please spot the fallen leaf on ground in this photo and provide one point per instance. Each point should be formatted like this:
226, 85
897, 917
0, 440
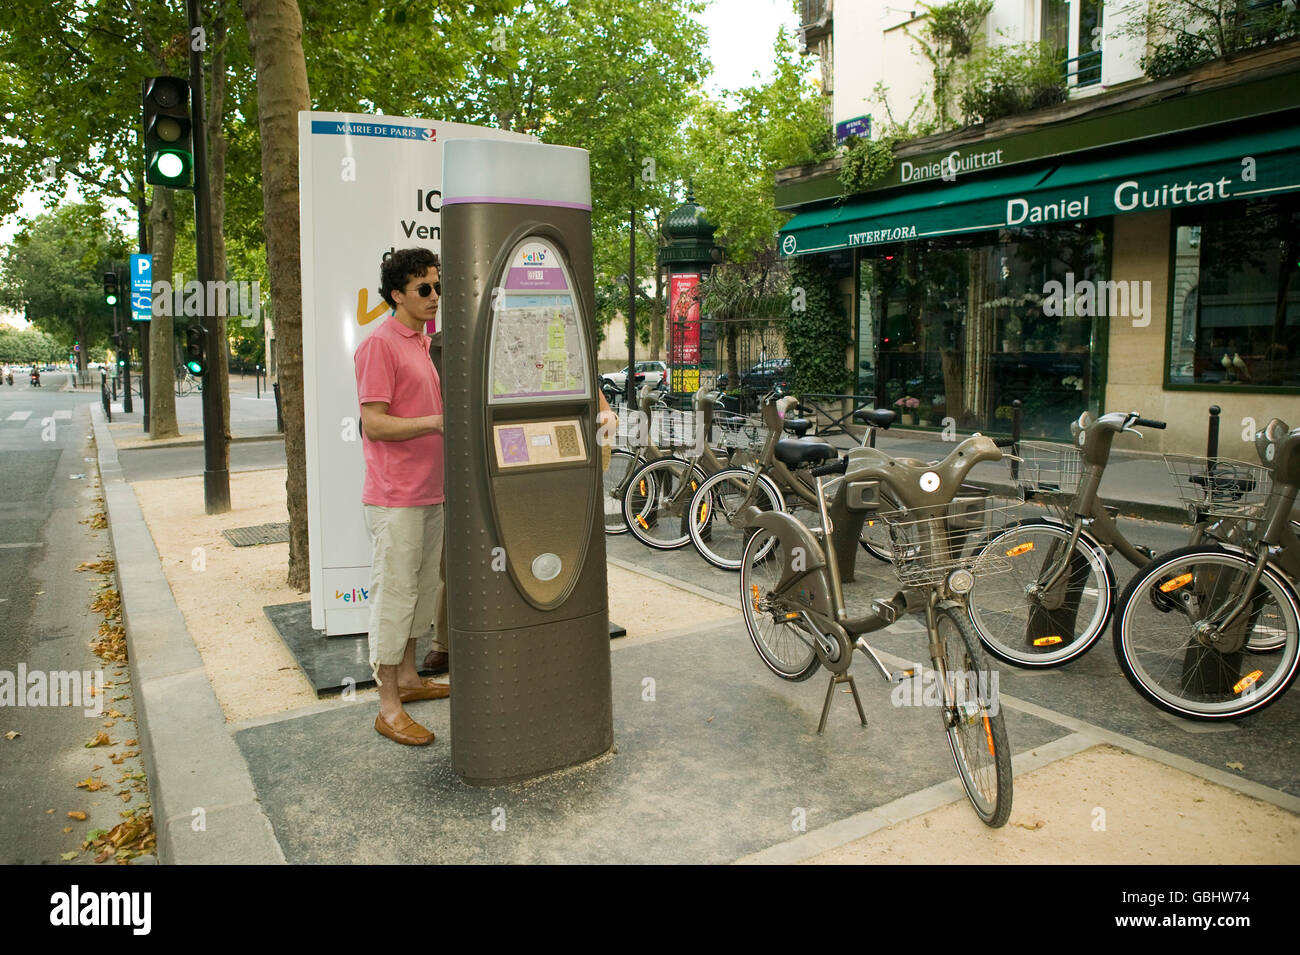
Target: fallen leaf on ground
67, 828
101, 739
12, 735
99, 566
77, 814
1036, 824
132, 742
68, 856
115, 714
109, 723
1236, 766
91, 784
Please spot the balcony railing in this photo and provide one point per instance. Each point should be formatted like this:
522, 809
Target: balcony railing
1083, 70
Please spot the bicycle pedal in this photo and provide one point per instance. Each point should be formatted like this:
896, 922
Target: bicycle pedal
898, 676
885, 609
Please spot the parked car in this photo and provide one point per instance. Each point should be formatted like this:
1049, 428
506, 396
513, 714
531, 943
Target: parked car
647, 372
766, 375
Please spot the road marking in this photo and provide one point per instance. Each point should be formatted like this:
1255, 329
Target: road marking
63, 414
30, 544
19, 416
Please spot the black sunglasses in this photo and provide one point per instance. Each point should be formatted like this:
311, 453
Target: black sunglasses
424, 288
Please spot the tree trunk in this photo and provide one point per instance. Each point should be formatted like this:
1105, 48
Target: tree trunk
657, 318
275, 37
162, 357
217, 146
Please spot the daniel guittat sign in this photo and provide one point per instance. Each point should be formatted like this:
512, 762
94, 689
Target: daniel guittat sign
1128, 196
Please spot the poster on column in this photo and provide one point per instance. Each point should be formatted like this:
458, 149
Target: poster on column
368, 185
684, 309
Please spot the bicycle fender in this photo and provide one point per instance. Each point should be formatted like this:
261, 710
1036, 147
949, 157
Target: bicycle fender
805, 567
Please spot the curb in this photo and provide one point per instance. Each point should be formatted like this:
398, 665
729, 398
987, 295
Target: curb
189, 752
198, 442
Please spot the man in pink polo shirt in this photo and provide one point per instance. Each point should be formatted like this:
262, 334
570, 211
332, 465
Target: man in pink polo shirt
401, 422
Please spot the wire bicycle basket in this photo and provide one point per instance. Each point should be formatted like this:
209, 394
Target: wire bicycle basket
1220, 487
929, 543
1048, 468
738, 432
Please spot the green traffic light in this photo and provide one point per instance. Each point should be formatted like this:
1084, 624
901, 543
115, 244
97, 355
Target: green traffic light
195, 367
171, 167
110, 299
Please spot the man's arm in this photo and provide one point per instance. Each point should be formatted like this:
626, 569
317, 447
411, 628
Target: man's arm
379, 425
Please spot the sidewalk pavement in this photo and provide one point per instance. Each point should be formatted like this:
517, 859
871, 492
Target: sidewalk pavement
727, 753
252, 417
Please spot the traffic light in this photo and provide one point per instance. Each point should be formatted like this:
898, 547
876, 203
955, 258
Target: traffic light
110, 288
195, 349
123, 343
168, 132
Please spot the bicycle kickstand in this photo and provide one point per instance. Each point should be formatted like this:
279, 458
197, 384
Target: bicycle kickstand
836, 680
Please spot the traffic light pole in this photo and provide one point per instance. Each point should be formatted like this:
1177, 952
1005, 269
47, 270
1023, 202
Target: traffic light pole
125, 341
216, 473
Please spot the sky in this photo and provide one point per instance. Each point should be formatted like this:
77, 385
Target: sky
741, 37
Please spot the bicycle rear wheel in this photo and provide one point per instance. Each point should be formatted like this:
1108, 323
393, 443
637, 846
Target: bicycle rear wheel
1170, 648
1061, 624
713, 525
780, 635
976, 732
621, 463
655, 503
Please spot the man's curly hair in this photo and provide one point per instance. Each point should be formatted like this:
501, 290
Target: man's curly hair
400, 267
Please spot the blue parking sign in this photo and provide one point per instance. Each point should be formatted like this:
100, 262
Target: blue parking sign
141, 288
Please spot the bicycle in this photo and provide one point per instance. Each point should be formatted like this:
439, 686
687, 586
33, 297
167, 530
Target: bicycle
187, 383
793, 601
781, 480
623, 462
659, 491
1211, 631
1032, 617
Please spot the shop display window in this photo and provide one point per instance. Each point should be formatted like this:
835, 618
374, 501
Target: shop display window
957, 328
1234, 317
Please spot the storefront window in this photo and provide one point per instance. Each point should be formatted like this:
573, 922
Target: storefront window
1234, 318
959, 327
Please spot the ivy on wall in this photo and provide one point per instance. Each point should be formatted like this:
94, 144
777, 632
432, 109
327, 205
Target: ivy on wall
817, 333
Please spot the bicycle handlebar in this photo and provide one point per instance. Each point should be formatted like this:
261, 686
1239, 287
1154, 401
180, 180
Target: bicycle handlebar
1005, 442
835, 467
1149, 423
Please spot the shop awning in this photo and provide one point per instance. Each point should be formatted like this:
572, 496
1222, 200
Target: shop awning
1239, 167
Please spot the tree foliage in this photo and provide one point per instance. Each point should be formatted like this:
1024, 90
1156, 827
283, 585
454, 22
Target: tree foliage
817, 333
53, 273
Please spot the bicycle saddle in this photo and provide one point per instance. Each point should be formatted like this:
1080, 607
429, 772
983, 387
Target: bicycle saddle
797, 426
793, 453
878, 418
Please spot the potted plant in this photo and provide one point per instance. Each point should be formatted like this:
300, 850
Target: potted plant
907, 406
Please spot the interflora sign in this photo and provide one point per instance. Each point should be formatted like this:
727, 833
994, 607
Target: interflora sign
369, 185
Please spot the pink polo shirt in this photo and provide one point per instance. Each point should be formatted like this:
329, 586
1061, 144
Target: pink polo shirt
393, 365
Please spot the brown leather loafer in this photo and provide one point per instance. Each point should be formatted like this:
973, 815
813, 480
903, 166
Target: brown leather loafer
435, 661
407, 731
430, 691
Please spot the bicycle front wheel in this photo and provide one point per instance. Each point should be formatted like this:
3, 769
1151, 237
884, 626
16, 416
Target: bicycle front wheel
621, 464
977, 734
656, 499
781, 635
1025, 622
714, 523
1173, 647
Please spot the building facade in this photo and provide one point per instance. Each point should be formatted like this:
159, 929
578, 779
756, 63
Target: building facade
1135, 246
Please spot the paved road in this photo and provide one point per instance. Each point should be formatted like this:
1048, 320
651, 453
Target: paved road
47, 487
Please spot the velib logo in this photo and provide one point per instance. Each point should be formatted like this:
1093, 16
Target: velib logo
354, 596
74, 907
534, 257
53, 688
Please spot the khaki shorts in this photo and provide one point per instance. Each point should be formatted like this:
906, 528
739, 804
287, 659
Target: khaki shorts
405, 566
